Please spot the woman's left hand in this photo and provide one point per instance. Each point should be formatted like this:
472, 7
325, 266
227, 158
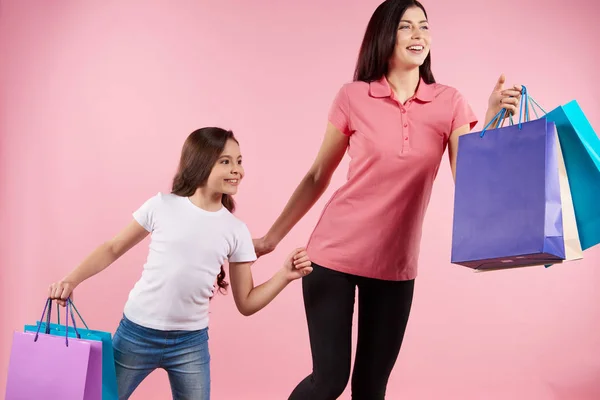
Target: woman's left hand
503, 98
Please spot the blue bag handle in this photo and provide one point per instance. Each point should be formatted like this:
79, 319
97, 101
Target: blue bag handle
526, 100
531, 103
74, 308
47, 330
48, 307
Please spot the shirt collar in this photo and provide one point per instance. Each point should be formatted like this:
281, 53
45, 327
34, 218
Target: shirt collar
381, 88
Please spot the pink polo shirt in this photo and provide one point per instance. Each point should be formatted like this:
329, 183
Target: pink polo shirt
372, 225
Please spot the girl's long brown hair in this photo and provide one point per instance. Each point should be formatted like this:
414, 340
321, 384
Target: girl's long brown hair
199, 154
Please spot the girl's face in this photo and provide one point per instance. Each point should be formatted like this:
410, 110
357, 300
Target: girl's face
412, 40
228, 172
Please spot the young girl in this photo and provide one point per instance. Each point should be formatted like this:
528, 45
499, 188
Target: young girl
165, 322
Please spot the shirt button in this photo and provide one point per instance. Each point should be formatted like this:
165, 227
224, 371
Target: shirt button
406, 138
403, 111
406, 125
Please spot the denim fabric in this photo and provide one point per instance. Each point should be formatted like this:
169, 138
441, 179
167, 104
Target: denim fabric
183, 354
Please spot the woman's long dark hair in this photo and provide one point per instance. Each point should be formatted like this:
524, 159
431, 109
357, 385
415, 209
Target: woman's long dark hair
200, 153
379, 42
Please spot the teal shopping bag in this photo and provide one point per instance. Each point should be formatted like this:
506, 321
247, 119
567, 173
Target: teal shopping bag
109, 379
581, 153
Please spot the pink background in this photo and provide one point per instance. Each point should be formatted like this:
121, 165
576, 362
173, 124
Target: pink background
98, 96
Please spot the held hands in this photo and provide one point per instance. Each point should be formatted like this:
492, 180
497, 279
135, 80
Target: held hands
61, 291
297, 265
503, 98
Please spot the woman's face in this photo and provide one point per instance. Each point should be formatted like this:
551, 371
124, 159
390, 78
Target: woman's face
412, 40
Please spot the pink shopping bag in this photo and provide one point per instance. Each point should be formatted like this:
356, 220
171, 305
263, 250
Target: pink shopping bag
51, 367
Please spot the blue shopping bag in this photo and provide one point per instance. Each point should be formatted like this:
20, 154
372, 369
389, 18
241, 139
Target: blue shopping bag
581, 152
109, 380
507, 205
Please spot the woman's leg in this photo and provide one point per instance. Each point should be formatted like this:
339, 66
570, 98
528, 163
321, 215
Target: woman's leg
383, 311
329, 304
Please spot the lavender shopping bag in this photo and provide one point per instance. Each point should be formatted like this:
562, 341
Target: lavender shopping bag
507, 210
102, 365
43, 366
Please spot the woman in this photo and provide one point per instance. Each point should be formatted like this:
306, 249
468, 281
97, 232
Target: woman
395, 122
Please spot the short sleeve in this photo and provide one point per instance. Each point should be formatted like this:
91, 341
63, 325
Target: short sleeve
243, 250
462, 113
339, 112
145, 215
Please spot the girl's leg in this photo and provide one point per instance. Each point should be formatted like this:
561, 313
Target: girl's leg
329, 305
383, 311
137, 353
187, 361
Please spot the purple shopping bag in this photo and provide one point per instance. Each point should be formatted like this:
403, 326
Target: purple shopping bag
508, 209
46, 366
94, 383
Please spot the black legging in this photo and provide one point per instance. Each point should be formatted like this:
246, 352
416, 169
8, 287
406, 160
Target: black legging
383, 311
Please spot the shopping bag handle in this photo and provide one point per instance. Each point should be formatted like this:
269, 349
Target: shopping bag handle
527, 101
497, 118
49, 318
77, 311
48, 307
531, 103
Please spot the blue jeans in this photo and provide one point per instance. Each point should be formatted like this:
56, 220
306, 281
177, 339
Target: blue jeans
183, 354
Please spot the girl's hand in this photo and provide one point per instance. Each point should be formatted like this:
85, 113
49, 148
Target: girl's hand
297, 264
503, 98
61, 291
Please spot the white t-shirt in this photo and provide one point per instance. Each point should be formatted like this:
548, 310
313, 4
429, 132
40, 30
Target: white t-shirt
188, 246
